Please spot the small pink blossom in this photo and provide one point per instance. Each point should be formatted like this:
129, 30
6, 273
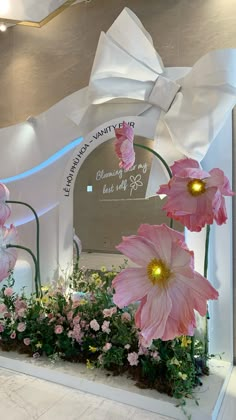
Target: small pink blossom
155, 355
8, 291
125, 317
58, 329
94, 325
195, 197
127, 346
13, 335
70, 334
107, 313
8, 255
105, 327
5, 210
165, 283
76, 319
27, 341
107, 347
21, 327
1, 328
133, 359
21, 312
3, 308
124, 146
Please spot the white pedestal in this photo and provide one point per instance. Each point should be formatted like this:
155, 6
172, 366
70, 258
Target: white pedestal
122, 389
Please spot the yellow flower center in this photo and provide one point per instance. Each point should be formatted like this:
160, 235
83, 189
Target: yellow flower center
158, 272
196, 187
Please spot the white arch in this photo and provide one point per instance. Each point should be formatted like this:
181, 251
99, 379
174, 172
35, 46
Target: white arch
143, 127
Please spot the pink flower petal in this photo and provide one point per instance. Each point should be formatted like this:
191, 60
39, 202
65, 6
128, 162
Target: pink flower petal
179, 165
139, 249
131, 285
155, 313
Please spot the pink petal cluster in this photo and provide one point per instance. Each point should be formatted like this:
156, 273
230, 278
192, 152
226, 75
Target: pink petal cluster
27, 341
195, 209
8, 292
94, 325
107, 313
105, 327
5, 210
167, 300
133, 359
124, 146
126, 317
107, 347
21, 327
7, 255
58, 329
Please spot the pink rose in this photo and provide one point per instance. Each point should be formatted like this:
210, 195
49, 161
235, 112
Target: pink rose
107, 347
105, 327
94, 325
133, 359
3, 308
125, 317
58, 329
26, 341
13, 335
21, 327
8, 291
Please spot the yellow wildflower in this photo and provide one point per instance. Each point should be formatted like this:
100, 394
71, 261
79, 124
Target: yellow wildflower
89, 365
92, 349
82, 302
98, 281
182, 376
103, 269
175, 361
185, 341
44, 288
39, 345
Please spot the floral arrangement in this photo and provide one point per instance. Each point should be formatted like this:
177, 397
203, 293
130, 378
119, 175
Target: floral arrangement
138, 320
87, 327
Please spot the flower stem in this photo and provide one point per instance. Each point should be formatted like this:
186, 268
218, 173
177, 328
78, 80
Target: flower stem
207, 240
162, 161
35, 263
76, 265
157, 156
37, 236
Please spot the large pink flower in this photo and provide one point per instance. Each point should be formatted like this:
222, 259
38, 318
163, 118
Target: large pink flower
124, 146
8, 256
5, 209
196, 197
165, 282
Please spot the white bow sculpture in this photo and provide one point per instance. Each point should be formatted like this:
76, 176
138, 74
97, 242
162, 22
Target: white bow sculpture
128, 78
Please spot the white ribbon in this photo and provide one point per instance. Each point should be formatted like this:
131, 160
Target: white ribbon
128, 78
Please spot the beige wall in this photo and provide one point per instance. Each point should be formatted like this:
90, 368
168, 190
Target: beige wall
41, 66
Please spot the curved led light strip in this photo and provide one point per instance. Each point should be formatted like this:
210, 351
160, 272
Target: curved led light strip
44, 164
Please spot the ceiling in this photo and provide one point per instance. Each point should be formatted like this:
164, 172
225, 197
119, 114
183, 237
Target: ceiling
32, 12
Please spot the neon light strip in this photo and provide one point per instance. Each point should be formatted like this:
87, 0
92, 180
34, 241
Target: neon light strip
44, 164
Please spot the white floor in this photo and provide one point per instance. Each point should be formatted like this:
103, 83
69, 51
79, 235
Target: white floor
26, 398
